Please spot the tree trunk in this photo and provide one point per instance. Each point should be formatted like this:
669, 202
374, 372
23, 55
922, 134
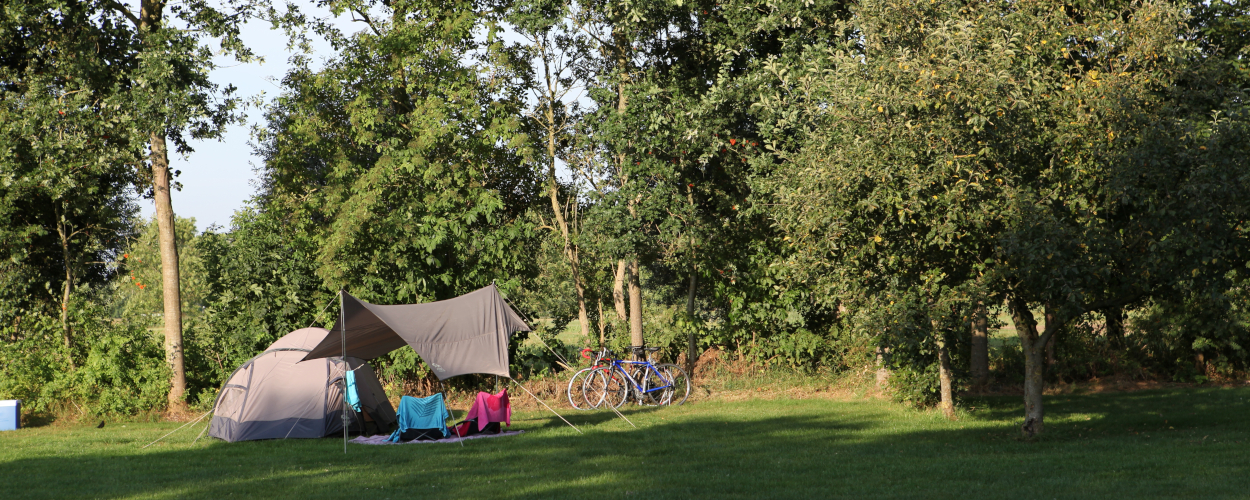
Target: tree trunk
620, 47
1050, 342
635, 305
603, 325
883, 369
1034, 367
570, 250
582, 316
980, 359
67, 287
169, 271
1114, 317
691, 345
151, 15
618, 290
944, 376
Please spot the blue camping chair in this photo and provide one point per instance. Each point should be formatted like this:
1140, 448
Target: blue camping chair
421, 418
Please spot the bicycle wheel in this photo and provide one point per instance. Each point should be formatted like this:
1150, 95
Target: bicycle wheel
577, 397
680, 384
594, 391
605, 387
655, 387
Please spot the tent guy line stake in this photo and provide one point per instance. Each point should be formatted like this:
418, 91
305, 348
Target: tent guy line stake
527, 391
178, 429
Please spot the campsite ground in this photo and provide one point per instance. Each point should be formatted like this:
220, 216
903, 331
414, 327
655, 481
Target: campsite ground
1158, 443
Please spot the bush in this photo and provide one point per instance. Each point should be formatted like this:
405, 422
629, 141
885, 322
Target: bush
120, 371
1199, 338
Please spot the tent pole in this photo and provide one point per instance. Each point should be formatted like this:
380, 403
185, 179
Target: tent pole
343, 341
527, 391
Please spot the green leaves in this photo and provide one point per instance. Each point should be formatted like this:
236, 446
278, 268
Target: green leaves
401, 158
947, 151
66, 148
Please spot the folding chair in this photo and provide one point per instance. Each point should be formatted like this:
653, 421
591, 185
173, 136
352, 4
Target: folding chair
421, 419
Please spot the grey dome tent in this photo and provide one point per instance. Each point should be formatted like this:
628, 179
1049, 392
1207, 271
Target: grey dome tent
275, 396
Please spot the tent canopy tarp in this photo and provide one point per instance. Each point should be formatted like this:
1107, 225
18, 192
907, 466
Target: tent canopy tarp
466, 334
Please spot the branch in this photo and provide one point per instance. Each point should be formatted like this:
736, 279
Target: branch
1120, 302
585, 175
116, 6
365, 19
592, 35
1051, 328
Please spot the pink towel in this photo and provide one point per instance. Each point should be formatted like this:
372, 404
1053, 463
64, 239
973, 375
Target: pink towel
489, 408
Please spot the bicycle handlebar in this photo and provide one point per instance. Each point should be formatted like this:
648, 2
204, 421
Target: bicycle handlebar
601, 354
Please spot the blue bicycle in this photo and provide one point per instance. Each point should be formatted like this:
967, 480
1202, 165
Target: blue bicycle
611, 381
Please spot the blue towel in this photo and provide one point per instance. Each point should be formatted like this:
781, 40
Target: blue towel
425, 413
353, 398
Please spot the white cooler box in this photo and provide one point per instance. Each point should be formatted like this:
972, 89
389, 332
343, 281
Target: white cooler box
10, 414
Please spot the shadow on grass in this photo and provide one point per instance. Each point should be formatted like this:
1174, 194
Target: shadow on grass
780, 448
1125, 411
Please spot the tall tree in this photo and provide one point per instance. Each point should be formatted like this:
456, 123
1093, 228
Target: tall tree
648, 76
176, 101
1145, 151
557, 52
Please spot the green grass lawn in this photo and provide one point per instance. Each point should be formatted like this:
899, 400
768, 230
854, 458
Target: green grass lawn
1169, 443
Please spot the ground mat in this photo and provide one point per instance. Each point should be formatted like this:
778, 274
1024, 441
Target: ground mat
383, 439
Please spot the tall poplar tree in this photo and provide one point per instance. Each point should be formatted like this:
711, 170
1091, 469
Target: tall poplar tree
557, 54
175, 101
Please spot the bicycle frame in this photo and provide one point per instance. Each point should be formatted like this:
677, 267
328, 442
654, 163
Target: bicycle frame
619, 364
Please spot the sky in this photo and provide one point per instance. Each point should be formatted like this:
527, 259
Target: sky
219, 177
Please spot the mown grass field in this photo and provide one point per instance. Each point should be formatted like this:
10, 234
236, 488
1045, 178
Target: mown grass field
1190, 443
